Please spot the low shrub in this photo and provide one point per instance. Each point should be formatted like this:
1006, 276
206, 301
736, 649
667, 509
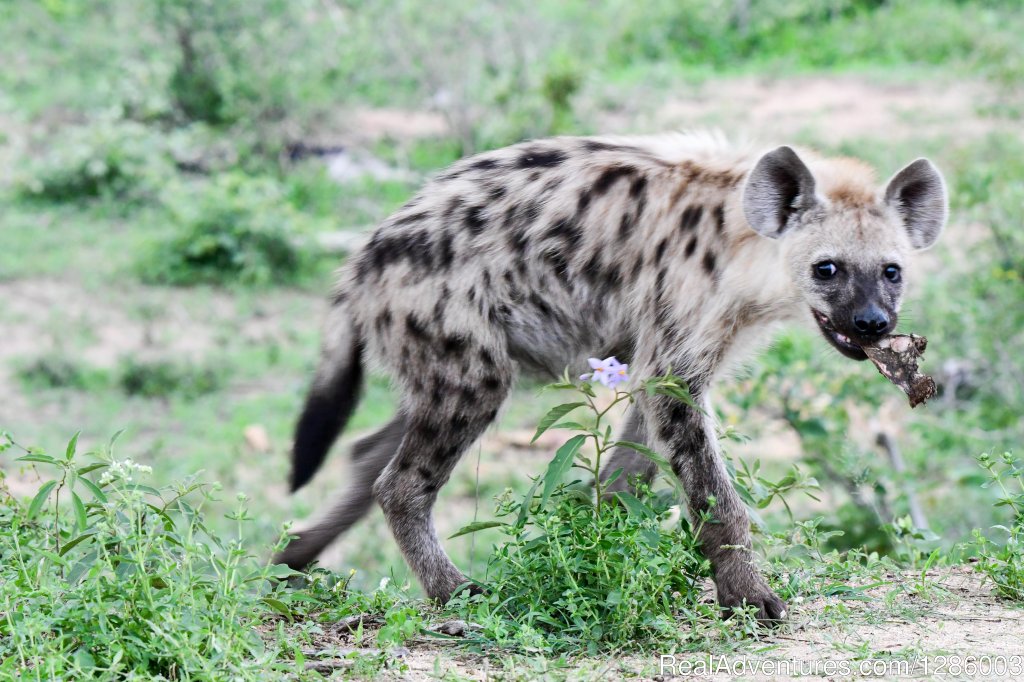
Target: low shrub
569, 576
1003, 564
237, 229
110, 158
147, 378
163, 378
576, 571
103, 575
58, 371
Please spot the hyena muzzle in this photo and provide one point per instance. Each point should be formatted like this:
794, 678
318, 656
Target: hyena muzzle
673, 252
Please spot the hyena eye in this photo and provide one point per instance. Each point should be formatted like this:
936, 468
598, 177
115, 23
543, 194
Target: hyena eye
892, 273
825, 270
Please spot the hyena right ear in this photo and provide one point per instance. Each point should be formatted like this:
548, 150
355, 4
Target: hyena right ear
918, 192
780, 186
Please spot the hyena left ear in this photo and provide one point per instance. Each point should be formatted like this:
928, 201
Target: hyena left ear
780, 186
918, 192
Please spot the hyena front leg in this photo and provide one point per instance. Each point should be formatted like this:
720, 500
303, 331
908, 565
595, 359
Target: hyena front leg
635, 467
445, 417
688, 438
369, 457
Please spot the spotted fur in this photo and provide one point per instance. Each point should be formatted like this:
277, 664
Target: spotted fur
673, 251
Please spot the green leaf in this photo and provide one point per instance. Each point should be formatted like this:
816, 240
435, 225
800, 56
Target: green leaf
80, 517
280, 571
94, 489
524, 508
74, 542
83, 659
52, 556
279, 606
89, 468
575, 426
113, 439
82, 566
40, 498
72, 446
476, 526
651, 536
556, 413
634, 506
663, 464
613, 477
850, 593
37, 457
558, 467
149, 490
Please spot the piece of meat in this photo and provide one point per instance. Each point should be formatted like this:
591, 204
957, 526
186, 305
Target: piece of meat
896, 359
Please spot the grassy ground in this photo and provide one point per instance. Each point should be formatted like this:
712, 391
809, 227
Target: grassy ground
159, 275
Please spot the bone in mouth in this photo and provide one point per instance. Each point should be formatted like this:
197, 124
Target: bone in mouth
896, 359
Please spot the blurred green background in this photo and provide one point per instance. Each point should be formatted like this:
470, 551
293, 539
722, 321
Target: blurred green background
178, 179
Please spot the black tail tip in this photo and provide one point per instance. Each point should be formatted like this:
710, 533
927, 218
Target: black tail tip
297, 479
327, 409
322, 419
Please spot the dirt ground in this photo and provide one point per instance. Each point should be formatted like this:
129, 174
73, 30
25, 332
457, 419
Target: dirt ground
833, 109
947, 624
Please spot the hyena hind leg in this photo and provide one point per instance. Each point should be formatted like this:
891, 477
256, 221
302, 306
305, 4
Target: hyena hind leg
439, 433
635, 467
369, 457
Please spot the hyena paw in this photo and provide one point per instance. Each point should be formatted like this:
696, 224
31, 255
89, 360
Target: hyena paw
444, 589
751, 590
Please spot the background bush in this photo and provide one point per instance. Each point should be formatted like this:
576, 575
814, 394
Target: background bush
236, 229
114, 159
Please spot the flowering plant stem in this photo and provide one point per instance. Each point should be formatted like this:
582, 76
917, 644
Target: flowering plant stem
602, 442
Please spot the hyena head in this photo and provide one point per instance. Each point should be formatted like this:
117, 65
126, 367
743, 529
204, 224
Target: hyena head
845, 244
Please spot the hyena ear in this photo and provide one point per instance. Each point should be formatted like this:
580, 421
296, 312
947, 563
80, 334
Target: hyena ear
780, 186
918, 192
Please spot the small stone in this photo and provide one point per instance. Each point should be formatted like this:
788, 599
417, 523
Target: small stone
257, 438
453, 628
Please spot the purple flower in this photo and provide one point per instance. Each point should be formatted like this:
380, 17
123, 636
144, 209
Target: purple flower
610, 372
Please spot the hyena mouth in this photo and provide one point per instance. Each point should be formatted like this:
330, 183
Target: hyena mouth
841, 342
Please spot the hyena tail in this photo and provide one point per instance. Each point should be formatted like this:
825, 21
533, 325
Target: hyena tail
332, 398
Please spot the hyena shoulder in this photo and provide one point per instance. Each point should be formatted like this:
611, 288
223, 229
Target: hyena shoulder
554, 242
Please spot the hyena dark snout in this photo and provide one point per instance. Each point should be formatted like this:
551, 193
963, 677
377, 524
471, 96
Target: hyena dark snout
872, 321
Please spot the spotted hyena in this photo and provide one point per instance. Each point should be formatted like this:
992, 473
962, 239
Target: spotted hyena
673, 251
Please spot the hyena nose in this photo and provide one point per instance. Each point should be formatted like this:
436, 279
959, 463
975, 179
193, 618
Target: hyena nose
871, 321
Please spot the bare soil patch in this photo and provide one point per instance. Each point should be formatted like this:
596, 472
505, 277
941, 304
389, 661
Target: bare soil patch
906, 628
826, 109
